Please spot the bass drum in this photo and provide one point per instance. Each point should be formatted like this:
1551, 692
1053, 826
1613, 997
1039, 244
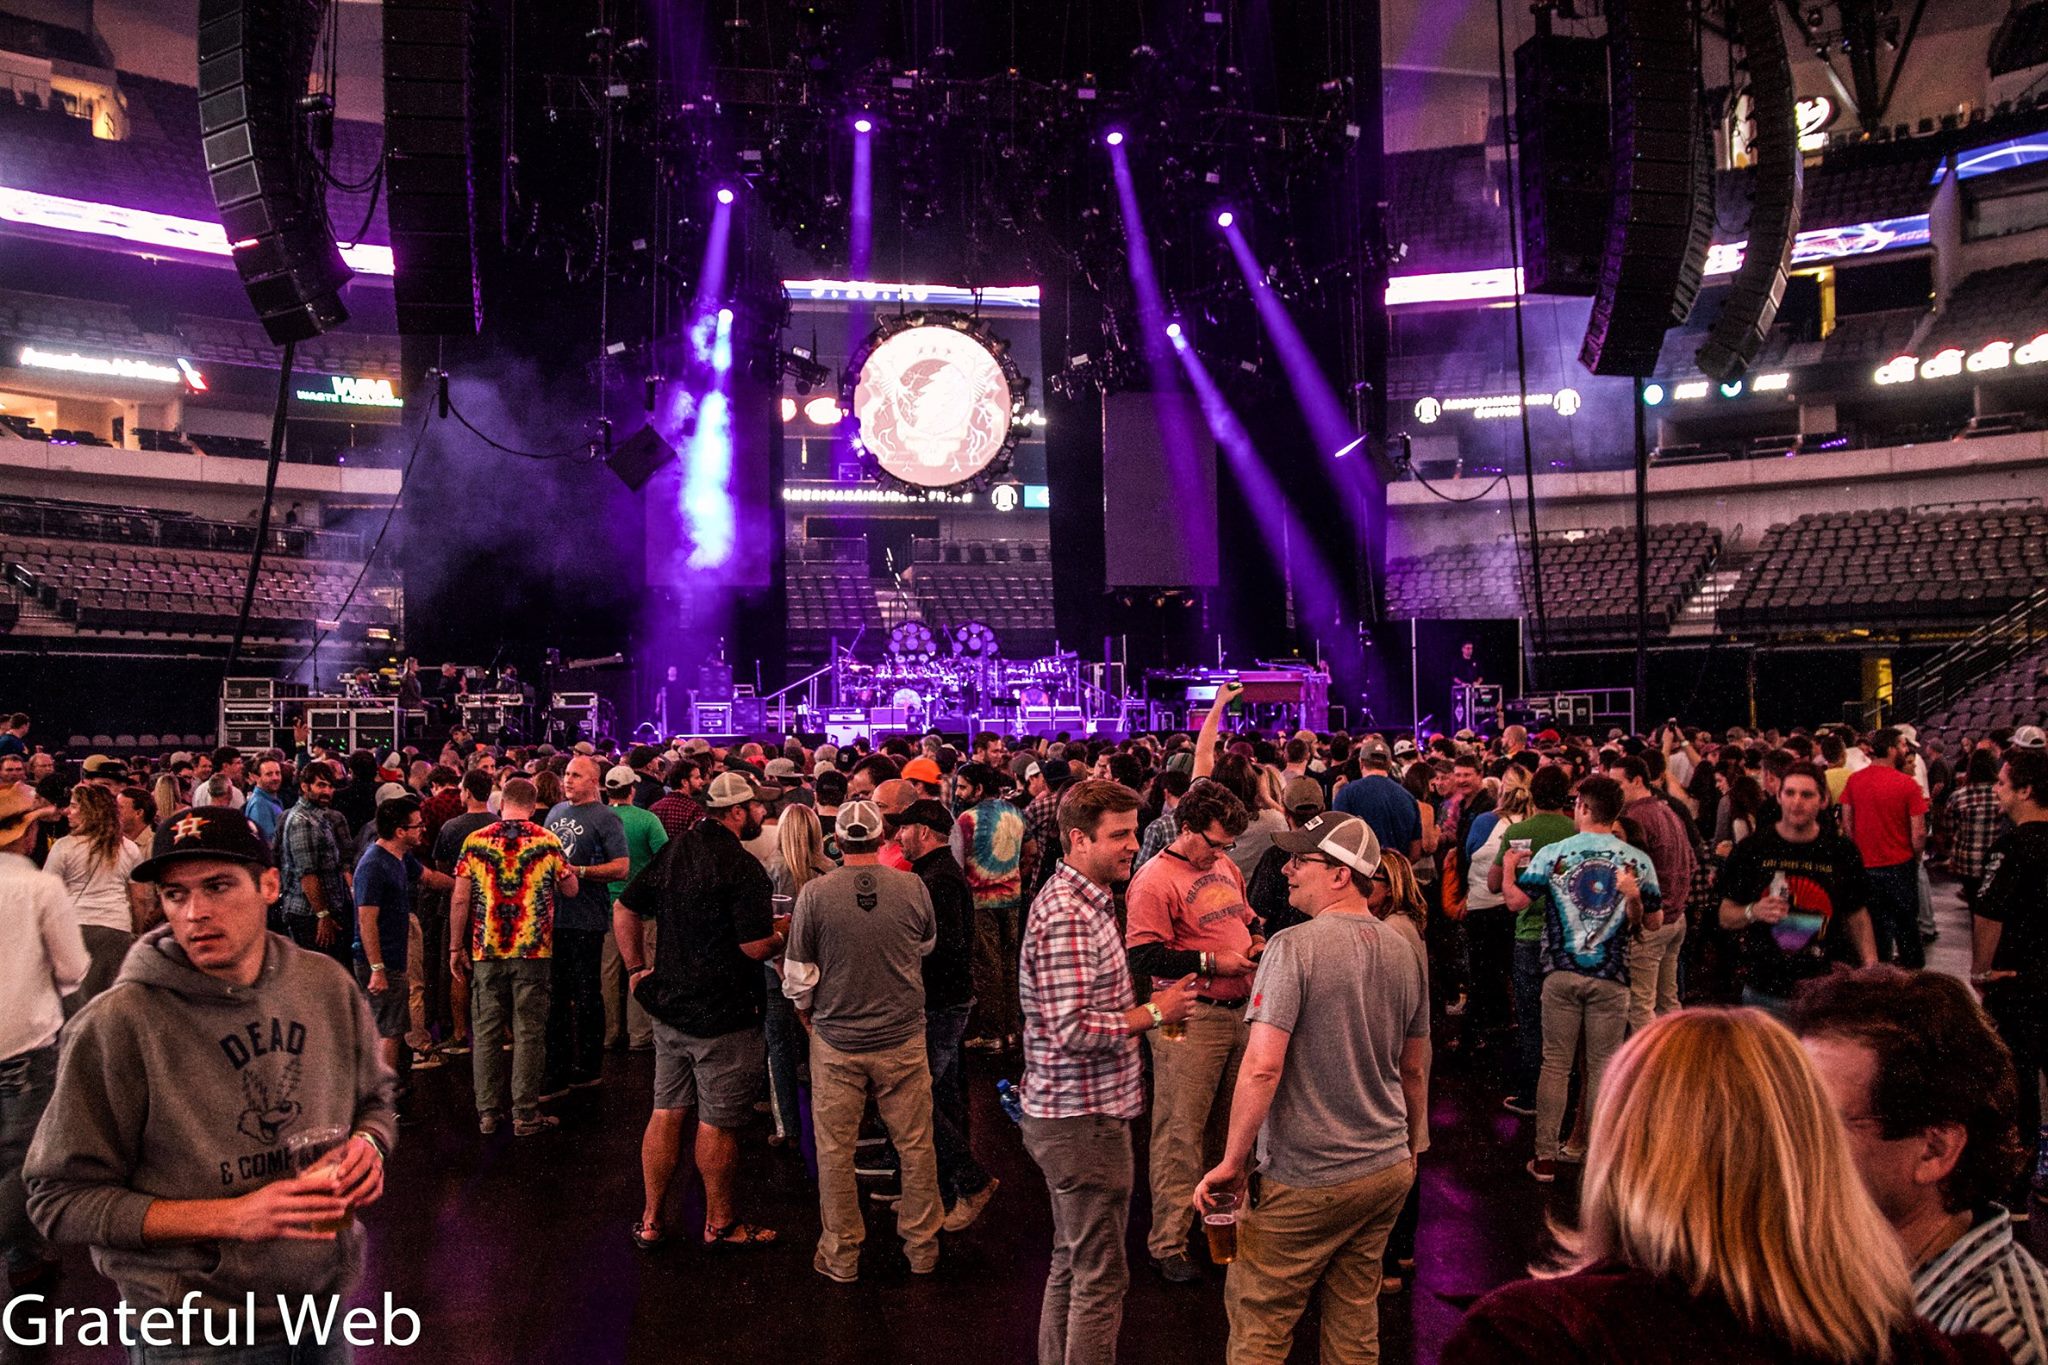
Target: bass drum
1035, 698
906, 699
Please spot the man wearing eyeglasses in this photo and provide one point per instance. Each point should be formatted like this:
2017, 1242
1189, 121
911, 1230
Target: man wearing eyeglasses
1333, 1089
1188, 914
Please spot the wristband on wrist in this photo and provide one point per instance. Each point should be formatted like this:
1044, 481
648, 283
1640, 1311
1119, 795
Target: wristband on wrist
1158, 1018
323, 914
375, 1144
1749, 913
376, 966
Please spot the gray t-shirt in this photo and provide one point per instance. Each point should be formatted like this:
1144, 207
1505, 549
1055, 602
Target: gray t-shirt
868, 930
1350, 992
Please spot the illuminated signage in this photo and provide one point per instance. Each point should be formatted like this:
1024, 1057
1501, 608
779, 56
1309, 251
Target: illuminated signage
1564, 403
1814, 115
1004, 497
1993, 157
932, 406
869, 493
867, 291
1692, 390
349, 391
143, 228
1953, 360
180, 371
1723, 258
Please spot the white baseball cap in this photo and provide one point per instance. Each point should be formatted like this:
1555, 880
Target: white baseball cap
2029, 737
859, 821
620, 778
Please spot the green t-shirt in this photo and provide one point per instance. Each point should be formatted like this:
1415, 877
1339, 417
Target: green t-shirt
644, 839
1538, 830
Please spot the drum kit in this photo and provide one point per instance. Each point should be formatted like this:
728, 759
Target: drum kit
957, 672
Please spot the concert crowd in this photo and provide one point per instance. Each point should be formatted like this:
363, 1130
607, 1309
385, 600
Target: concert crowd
225, 972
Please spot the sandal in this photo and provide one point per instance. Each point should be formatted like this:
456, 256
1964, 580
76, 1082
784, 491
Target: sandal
738, 1235
648, 1236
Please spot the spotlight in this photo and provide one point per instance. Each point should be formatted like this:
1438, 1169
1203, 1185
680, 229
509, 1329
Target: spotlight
1173, 330
725, 317
1114, 137
863, 124
725, 196
1225, 218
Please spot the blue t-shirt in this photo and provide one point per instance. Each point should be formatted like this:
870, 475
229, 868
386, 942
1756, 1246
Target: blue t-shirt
264, 812
385, 882
1384, 804
591, 835
1584, 915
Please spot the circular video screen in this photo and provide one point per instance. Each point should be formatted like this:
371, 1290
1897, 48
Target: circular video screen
933, 407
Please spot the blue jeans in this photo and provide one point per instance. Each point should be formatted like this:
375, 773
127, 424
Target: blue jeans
25, 1084
1895, 913
1528, 980
959, 1172
336, 1352
784, 1034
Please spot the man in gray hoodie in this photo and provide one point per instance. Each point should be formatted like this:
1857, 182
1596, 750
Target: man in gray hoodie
217, 1045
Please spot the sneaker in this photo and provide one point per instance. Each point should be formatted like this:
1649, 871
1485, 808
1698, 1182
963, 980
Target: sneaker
1542, 1170
539, 1123
1177, 1268
1518, 1104
886, 1198
426, 1061
875, 1171
487, 1122
1572, 1156
851, 1277
968, 1207
458, 1048
858, 1142
984, 1044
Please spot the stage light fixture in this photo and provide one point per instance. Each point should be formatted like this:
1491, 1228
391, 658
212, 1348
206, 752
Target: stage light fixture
725, 317
863, 124
1225, 218
1114, 137
1173, 330
725, 196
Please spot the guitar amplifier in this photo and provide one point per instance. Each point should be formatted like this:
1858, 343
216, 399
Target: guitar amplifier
889, 718
711, 718
714, 681
248, 689
749, 716
248, 725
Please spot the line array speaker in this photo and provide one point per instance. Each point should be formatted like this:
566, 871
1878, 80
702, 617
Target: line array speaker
1655, 101
1562, 138
430, 169
254, 60
1759, 286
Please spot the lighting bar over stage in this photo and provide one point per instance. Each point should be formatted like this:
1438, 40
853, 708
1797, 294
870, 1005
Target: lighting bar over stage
939, 295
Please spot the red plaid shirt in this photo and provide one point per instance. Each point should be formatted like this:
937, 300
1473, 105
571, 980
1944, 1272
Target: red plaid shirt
1080, 1056
677, 813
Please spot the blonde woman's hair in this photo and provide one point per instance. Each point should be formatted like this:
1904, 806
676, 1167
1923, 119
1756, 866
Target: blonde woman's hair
800, 839
1515, 806
98, 825
1760, 1206
169, 795
1404, 893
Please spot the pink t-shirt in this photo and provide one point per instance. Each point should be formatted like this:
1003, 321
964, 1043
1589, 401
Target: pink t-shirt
1193, 912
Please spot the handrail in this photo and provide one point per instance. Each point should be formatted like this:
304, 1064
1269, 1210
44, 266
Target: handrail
1985, 650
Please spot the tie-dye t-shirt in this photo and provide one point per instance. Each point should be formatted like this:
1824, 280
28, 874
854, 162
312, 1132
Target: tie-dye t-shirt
988, 843
1585, 919
511, 868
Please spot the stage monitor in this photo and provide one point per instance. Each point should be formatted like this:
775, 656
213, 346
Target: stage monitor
1158, 492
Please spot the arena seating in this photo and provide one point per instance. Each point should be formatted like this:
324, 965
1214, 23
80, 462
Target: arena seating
2014, 695
1014, 597
832, 597
160, 590
1588, 581
1444, 207
159, 165
2003, 304
1891, 568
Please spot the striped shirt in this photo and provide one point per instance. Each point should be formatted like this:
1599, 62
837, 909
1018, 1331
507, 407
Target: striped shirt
1080, 1055
1988, 1283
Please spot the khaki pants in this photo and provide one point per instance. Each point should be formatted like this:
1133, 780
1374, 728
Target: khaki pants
619, 1005
900, 1080
1653, 973
1575, 1006
1192, 1081
420, 1038
1296, 1239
